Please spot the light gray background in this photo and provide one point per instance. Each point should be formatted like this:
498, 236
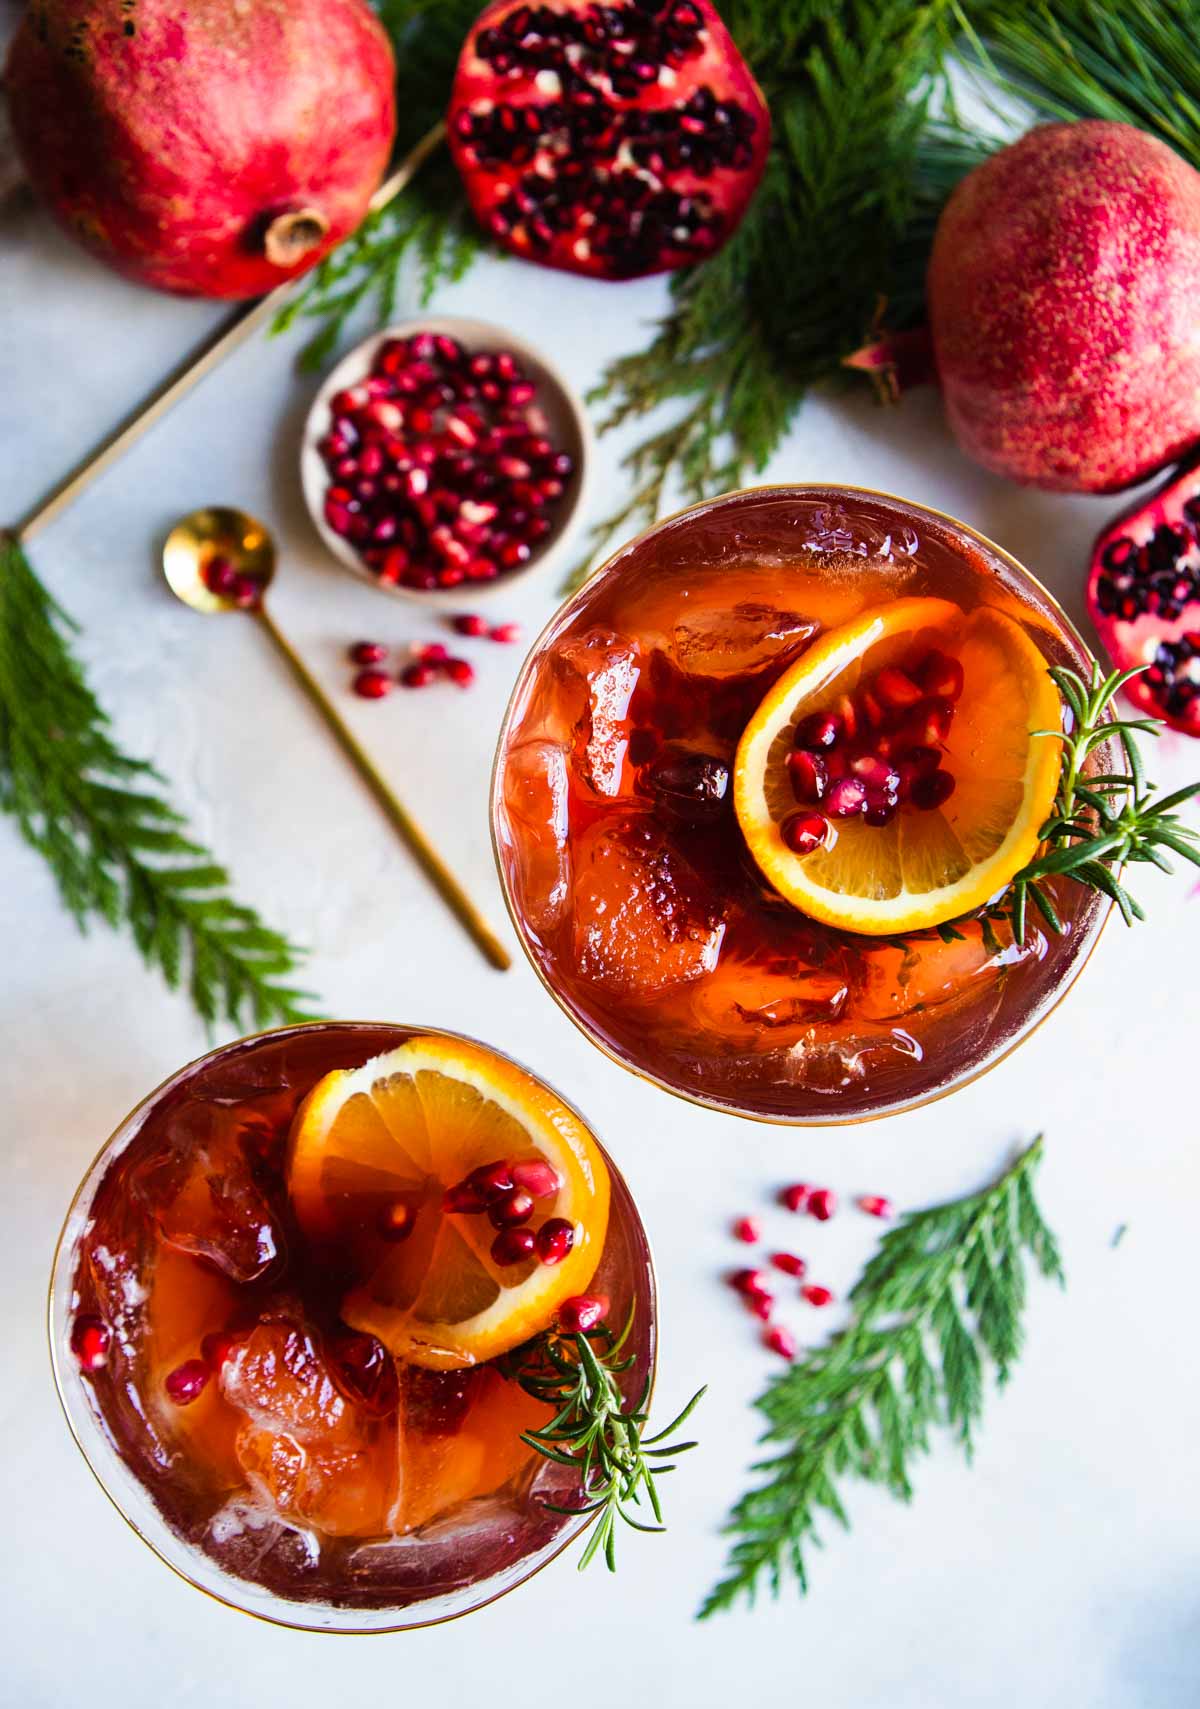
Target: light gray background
1062, 1570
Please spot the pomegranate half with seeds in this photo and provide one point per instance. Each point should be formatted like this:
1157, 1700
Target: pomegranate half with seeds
614, 140
1144, 597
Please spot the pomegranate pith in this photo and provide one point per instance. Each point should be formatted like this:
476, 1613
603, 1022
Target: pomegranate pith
611, 139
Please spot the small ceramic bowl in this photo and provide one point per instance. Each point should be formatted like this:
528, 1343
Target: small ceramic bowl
566, 424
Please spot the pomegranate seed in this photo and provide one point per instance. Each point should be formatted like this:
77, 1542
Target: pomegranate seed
815, 1294
218, 1347
461, 672
187, 1382
804, 832
795, 1197
372, 685
417, 675
819, 730
368, 653
930, 792
537, 1178
933, 724
581, 1312
506, 632
515, 1207
396, 1221
760, 1304
515, 553
431, 652
875, 773
747, 1228
366, 1370
750, 1281
219, 575
513, 1245
871, 710
789, 1263
822, 1203
491, 1180
780, 1341
244, 591
554, 1240
469, 624
875, 1205
462, 1200
91, 1339
895, 688
847, 798
808, 774
943, 676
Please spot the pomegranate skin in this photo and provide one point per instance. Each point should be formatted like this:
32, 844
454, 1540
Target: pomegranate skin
206, 148
1062, 294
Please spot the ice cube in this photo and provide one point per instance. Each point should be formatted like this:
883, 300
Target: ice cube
752, 1007
536, 801
280, 1378
643, 921
609, 667
202, 1192
479, 1538
727, 642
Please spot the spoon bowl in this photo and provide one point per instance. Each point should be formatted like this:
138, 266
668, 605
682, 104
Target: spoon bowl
200, 539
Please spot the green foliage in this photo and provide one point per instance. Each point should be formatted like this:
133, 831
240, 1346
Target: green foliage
596, 1433
114, 846
941, 1298
1101, 821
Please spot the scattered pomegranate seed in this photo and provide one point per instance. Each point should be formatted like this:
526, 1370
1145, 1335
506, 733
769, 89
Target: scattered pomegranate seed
581, 1312
815, 1294
513, 1245
431, 652
368, 653
942, 676
895, 688
780, 1341
188, 1381
217, 1347
537, 1178
491, 1180
462, 1200
795, 1197
875, 1205
91, 1339
219, 576
822, 1203
417, 675
750, 1281
513, 1208
467, 624
819, 730
761, 1304
372, 685
460, 671
505, 632
789, 1263
808, 773
747, 1228
803, 832
396, 1221
554, 1240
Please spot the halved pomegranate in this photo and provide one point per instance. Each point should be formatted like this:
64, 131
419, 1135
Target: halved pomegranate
611, 139
1144, 597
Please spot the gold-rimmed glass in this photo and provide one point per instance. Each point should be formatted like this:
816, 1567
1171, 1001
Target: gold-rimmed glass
771, 548
450, 1567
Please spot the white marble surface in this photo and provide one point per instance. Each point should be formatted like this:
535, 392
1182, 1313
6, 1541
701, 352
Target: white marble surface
1061, 1570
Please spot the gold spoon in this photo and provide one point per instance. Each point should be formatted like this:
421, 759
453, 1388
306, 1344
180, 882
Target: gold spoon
192, 559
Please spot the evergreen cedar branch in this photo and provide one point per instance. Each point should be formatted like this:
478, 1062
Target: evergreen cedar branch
942, 1296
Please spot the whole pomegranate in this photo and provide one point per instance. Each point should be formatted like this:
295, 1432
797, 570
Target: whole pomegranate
1144, 597
204, 146
612, 139
1063, 291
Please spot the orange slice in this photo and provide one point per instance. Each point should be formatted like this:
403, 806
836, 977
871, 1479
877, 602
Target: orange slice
397, 1133
923, 867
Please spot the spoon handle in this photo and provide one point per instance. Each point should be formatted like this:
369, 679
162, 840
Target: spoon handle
451, 891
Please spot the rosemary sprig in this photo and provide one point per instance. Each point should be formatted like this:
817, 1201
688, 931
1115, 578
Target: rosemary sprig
596, 1433
1101, 821
116, 849
943, 1294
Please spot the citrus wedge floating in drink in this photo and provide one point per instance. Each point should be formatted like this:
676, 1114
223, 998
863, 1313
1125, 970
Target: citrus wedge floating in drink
377, 1157
917, 866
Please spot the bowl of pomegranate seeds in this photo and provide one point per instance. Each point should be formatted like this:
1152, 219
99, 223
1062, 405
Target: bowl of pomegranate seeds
444, 456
